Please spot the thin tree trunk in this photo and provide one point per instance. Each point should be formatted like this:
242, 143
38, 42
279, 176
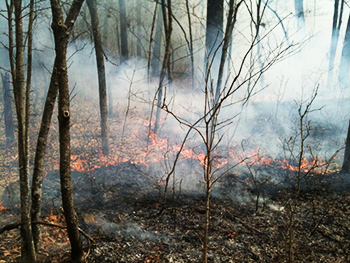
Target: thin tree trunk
214, 34
39, 158
8, 113
231, 20
207, 218
344, 66
38, 171
138, 23
155, 60
150, 57
27, 248
123, 31
165, 71
346, 162
299, 12
61, 32
191, 40
337, 20
101, 75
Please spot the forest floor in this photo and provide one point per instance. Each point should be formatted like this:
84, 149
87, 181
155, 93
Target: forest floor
121, 215
118, 200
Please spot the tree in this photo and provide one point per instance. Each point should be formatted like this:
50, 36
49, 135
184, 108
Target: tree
102, 87
214, 34
299, 12
21, 91
138, 32
66, 28
346, 161
209, 126
8, 113
344, 66
123, 32
165, 72
154, 57
337, 21
61, 30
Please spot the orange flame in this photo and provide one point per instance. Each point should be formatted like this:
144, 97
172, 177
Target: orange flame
158, 149
1, 207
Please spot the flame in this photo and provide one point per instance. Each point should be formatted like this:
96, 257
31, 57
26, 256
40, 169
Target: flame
156, 149
1, 207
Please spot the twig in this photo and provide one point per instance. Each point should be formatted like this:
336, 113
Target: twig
18, 224
318, 223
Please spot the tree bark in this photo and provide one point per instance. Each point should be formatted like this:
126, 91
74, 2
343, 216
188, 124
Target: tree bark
39, 159
191, 40
165, 70
62, 30
231, 20
346, 160
214, 33
344, 66
299, 12
38, 171
337, 20
8, 113
138, 23
155, 57
123, 32
102, 87
28, 253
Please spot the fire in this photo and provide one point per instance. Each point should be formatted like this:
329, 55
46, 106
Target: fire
155, 149
305, 166
1, 207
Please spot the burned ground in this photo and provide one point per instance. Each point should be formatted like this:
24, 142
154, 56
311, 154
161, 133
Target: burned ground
118, 207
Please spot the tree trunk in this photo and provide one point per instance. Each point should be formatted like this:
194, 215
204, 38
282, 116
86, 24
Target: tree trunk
123, 31
165, 71
344, 66
61, 32
44, 131
101, 75
139, 24
299, 12
27, 247
155, 58
214, 35
337, 20
191, 40
346, 161
231, 20
8, 113
38, 172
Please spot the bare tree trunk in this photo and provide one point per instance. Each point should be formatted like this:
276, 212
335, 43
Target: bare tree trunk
155, 58
101, 75
299, 12
344, 66
214, 34
191, 40
8, 113
165, 71
28, 253
139, 4
39, 158
123, 31
61, 32
346, 161
231, 20
337, 20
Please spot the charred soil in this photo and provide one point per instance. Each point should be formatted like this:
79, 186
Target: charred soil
119, 205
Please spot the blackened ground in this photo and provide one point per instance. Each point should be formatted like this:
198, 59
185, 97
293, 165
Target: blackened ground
118, 207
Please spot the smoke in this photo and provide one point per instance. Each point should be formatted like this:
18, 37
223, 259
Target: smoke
267, 120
